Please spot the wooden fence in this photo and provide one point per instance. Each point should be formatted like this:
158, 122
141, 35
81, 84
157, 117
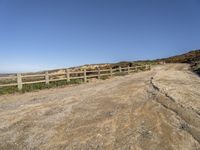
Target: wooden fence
21, 79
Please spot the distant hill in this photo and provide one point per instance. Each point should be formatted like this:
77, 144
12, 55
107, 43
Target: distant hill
189, 57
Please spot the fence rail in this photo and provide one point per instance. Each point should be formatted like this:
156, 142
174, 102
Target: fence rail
69, 75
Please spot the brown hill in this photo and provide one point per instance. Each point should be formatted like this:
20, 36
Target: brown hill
189, 57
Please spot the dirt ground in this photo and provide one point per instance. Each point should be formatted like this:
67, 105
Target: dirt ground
152, 110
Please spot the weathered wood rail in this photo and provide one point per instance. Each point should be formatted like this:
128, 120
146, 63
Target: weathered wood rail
46, 77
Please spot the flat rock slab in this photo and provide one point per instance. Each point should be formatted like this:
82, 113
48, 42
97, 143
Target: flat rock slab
152, 110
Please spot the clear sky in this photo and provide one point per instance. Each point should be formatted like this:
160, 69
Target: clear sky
46, 34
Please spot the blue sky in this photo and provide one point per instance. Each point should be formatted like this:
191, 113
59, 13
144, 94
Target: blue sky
46, 34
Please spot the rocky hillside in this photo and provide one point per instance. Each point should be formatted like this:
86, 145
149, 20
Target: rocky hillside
192, 57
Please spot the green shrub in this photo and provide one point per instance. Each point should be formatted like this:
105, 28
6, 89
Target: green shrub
105, 77
8, 90
120, 74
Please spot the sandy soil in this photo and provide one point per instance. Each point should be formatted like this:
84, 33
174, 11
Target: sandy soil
153, 110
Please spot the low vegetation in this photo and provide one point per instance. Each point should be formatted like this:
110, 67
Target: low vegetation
38, 86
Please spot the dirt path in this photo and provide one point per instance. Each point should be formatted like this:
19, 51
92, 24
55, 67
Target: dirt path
154, 110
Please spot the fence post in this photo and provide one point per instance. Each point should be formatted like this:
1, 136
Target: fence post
111, 71
128, 70
85, 76
120, 69
99, 73
19, 81
68, 75
47, 77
